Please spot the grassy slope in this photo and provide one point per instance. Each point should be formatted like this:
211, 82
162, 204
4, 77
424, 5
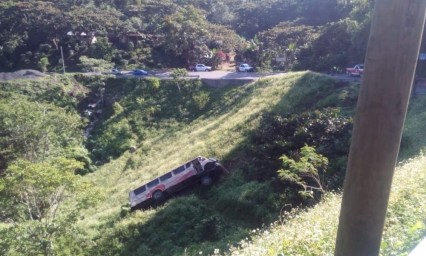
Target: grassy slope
312, 232
232, 115
214, 134
414, 139
220, 131
59, 90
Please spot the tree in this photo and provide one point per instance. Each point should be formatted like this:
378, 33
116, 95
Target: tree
95, 65
331, 47
177, 74
35, 131
186, 35
102, 49
43, 63
42, 201
304, 170
286, 40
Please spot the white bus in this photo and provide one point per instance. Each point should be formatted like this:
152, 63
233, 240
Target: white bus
202, 170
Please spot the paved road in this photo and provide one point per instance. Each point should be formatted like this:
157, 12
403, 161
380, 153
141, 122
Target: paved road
213, 75
232, 75
239, 75
345, 77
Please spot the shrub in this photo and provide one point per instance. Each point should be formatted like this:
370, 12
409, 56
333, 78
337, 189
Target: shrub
326, 130
201, 99
304, 170
91, 64
210, 228
178, 73
114, 140
43, 63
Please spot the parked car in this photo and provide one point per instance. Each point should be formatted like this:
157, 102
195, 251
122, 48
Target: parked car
116, 71
200, 67
139, 72
244, 67
357, 70
200, 170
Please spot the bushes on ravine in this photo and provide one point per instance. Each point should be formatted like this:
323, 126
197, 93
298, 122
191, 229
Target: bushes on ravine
326, 130
134, 108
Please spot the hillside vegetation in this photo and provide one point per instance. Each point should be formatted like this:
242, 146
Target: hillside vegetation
313, 231
141, 128
248, 197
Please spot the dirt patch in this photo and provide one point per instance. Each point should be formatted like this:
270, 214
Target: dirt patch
21, 74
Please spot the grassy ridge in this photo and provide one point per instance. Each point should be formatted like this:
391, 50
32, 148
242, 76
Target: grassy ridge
234, 112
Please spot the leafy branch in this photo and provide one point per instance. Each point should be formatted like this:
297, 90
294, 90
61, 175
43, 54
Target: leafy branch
304, 170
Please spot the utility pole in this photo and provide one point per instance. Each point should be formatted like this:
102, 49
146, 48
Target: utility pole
63, 61
390, 64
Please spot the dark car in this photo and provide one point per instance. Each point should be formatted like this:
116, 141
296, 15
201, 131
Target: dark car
139, 72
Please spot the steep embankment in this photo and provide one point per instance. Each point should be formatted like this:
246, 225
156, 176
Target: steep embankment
246, 199
218, 132
313, 231
144, 127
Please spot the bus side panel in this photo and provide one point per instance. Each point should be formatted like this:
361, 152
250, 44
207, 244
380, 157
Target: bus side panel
181, 180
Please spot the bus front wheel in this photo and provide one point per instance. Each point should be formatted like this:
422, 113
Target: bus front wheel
158, 196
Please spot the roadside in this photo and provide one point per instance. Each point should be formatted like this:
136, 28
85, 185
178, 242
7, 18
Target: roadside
21, 74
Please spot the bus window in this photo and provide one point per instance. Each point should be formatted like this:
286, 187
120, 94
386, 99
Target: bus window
140, 190
178, 170
153, 183
166, 176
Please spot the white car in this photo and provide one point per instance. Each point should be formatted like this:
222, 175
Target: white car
116, 71
201, 67
244, 67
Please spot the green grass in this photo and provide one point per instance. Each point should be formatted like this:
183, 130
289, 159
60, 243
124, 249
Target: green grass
237, 208
313, 231
216, 133
233, 208
221, 130
414, 136
63, 91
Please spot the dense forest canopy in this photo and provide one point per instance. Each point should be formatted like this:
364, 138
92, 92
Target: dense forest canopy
307, 34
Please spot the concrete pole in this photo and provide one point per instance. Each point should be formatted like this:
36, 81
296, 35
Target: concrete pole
390, 64
63, 61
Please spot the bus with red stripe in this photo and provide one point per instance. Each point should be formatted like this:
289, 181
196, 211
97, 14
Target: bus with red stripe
200, 170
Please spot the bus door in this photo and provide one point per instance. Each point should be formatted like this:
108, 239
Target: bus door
197, 165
